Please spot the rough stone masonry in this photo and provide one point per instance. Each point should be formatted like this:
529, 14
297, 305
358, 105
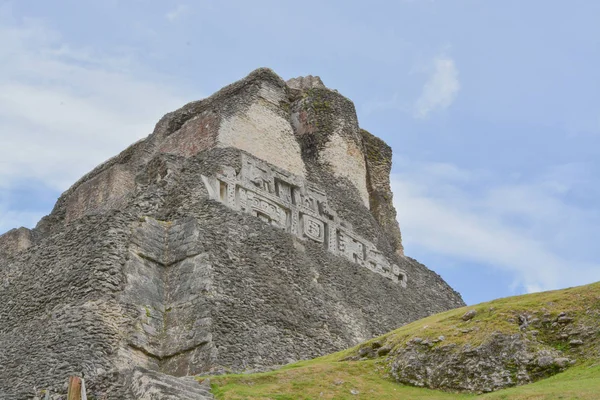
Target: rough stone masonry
249, 230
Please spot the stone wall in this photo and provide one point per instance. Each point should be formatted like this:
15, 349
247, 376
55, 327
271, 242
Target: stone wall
378, 156
326, 125
192, 252
15, 241
107, 190
264, 130
289, 126
290, 203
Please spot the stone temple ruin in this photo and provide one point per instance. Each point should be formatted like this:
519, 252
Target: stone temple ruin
251, 229
287, 202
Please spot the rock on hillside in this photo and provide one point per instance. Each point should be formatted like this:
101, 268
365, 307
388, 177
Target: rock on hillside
503, 343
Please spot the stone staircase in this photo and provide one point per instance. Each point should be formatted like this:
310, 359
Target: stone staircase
153, 385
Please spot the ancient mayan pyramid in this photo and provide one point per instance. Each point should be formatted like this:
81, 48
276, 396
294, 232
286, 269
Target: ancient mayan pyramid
250, 229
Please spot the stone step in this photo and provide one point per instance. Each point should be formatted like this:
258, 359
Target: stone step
154, 385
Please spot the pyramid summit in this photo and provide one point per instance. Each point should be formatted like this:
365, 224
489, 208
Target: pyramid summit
249, 230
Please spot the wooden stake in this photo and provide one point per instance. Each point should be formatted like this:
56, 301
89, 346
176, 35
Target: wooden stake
74, 388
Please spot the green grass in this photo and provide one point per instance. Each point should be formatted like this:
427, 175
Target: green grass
501, 316
335, 380
320, 379
330, 377
580, 382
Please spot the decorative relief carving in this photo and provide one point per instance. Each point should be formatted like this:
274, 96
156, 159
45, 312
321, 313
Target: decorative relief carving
283, 190
313, 228
351, 247
266, 210
288, 202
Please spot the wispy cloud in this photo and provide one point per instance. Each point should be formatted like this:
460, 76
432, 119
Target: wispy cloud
177, 12
63, 110
526, 229
440, 90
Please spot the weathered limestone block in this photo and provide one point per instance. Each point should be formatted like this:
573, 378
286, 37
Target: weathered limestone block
15, 241
197, 134
145, 291
151, 385
188, 346
326, 125
105, 191
167, 279
378, 156
305, 82
264, 130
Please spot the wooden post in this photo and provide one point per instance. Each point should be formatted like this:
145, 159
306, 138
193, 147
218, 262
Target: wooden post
74, 388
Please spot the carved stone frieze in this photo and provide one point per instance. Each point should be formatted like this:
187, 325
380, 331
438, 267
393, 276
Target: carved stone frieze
289, 202
313, 228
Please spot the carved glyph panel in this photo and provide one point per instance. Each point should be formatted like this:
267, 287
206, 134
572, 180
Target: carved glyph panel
264, 208
290, 203
313, 228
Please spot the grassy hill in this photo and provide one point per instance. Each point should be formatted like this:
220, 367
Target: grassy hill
551, 339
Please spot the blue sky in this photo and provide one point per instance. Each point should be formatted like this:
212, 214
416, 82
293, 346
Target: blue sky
492, 109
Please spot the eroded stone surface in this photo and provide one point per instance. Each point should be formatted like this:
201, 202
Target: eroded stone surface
378, 160
502, 361
289, 203
168, 277
326, 125
107, 190
143, 264
264, 131
305, 82
150, 385
15, 240
350, 162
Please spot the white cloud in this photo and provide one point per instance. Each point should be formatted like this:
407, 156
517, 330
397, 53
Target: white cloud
176, 12
518, 228
440, 90
64, 110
